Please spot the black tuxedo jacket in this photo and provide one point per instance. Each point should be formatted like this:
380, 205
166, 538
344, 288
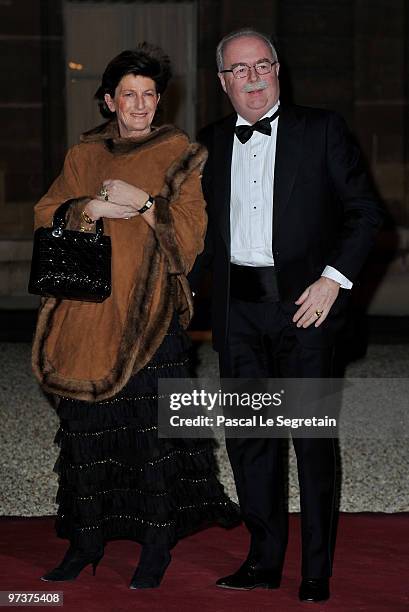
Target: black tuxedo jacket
325, 211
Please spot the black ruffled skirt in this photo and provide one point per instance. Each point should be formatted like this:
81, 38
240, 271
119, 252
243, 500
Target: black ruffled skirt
117, 479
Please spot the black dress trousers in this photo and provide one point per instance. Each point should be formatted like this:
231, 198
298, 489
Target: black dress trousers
263, 342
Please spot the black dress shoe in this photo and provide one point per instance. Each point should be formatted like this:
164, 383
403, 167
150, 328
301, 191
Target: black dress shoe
73, 563
151, 567
314, 589
249, 577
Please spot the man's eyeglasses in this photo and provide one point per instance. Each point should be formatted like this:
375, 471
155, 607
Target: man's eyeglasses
242, 71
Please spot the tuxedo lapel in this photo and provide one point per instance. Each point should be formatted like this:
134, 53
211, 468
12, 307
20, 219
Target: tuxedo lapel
288, 155
223, 150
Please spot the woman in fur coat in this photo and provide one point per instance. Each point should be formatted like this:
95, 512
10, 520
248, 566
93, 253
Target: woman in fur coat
117, 479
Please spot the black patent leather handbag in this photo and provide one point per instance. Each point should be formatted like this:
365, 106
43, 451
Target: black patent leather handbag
70, 264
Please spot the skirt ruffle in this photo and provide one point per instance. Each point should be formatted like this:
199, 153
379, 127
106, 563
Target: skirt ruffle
117, 479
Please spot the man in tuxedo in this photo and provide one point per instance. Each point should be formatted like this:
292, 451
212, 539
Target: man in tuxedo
292, 216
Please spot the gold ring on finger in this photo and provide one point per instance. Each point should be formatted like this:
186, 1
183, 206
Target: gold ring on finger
318, 313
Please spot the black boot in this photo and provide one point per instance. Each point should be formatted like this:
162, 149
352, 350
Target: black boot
73, 563
151, 567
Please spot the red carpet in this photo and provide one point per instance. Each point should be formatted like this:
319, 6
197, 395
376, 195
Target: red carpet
371, 570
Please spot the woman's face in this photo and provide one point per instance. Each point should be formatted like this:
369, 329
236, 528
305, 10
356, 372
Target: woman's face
134, 103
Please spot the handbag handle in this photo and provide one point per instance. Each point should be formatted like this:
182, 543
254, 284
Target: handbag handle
59, 221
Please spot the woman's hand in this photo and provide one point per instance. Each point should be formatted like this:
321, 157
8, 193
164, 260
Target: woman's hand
125, 194
124, 201
98, 208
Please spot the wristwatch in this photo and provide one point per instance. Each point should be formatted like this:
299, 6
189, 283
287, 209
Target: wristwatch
149, 202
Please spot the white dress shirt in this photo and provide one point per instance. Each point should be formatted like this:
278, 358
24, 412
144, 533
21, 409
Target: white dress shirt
251, 204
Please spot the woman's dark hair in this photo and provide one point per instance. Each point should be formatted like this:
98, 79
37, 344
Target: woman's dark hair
145, 60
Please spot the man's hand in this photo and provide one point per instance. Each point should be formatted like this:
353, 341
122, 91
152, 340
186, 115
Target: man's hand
318, 297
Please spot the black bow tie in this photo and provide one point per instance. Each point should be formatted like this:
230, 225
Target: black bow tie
245, 132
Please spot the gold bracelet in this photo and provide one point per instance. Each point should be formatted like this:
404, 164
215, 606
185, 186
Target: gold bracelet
86, 218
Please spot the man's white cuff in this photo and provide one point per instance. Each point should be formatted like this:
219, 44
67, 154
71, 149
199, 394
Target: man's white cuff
333, 274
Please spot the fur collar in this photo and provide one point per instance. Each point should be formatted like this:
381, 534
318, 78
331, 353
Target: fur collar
108, 134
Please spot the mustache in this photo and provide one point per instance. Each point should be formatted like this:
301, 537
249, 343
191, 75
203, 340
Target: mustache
255, 86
